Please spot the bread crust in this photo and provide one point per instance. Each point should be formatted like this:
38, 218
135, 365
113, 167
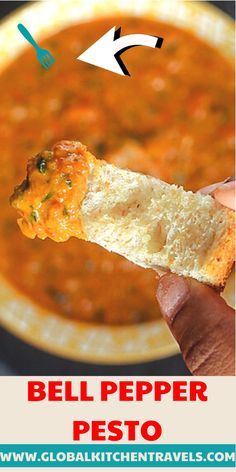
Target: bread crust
222, 260
153, 224
216, 268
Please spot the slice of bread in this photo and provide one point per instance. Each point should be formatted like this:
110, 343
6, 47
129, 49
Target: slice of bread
150, 222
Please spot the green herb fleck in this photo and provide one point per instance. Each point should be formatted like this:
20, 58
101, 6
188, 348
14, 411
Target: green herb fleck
8, 227
100, 315
69, 182
224, 117
178, 178
65, 211
140, 315
171, 47
101, 149
59, 297
89, 265
47, 197
221, 110
34, 216
67, 179
42, 165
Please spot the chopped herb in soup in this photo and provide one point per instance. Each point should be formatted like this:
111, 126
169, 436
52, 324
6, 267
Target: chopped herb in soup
173, 118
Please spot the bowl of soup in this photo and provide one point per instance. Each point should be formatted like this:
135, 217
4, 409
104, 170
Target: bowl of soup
172, 118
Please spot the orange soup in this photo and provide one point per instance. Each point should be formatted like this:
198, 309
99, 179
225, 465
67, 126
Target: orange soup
173, 118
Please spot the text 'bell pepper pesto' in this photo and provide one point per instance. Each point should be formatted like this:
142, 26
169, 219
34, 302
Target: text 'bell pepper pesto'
173, 119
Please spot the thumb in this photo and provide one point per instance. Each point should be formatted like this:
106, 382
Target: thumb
201, 322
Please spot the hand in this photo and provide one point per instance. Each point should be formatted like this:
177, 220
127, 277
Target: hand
198, 317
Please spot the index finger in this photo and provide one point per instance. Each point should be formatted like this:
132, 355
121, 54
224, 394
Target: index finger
224, 192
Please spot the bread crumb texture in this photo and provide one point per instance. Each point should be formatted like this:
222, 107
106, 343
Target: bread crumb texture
151, 223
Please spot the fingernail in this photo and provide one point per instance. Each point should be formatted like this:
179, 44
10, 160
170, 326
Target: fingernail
229, 179
210, 189
225, 194
172, 294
